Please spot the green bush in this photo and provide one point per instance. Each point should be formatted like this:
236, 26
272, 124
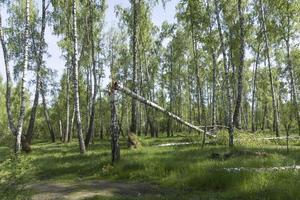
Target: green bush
14, 177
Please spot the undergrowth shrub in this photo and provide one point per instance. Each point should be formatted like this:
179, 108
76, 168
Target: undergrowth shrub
14, 177
222, 137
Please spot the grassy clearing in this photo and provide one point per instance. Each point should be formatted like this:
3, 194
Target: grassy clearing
186, 172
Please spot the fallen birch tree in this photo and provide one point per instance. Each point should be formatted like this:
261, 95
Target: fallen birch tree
128, 92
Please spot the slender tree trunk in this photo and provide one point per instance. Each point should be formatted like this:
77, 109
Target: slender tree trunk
72, 126
67, 133
291, 70
8, 81
46, 114
254, 88
275, 111
23, 83
214, 110
214, 66
75, 81
88, 98
171, 88
241, 68
30, 129
190, 97
198, 82
93, 102
60, 131
265, 112
115, 147
226, 76
133, 125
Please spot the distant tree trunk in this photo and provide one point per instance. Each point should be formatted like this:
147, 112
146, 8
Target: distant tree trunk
114, 128
275, 111
46, 114
60, 131
8, 82
241, 68
93, 102
133, 125
39, 66
214, 88
254, 88
231, 63
100, 111
199, 92
244, 112
190, 97
291, 70
67, 133
169, 123
140, 88
72, 126
88, 98
214, 67
226, 76
265, 112
75, 81
198, 82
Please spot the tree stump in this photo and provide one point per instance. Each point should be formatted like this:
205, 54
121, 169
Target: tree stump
133, 141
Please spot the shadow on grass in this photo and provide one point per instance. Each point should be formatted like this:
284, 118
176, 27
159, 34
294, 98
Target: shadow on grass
189, 169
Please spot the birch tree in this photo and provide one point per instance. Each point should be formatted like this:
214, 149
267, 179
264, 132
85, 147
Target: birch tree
75, 80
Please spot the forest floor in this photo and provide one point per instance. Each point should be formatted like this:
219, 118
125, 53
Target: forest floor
186, 171
93, 189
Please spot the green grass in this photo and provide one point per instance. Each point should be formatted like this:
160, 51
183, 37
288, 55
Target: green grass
187, 172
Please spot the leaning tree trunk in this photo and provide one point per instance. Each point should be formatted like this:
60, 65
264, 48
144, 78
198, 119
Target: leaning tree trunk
29, 134
75, 81
275, 110
240, 70
226, 75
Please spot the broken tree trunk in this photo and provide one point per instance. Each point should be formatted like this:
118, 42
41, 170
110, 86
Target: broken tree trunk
127, 91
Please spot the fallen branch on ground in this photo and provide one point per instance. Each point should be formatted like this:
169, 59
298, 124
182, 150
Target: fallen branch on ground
179, 144
264, 169
270, 138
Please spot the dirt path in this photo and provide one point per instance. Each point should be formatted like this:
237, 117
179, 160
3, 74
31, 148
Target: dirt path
89, 189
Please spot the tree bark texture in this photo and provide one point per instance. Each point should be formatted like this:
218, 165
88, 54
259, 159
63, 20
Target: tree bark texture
75, 81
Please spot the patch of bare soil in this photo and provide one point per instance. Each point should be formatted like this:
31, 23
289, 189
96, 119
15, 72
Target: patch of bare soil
89, 189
